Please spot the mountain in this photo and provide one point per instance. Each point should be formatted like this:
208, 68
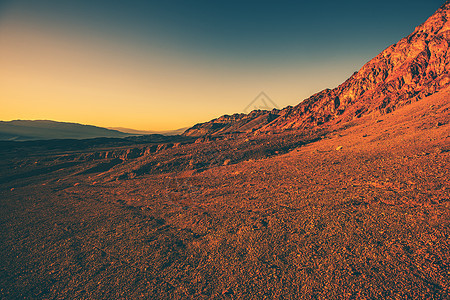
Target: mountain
145, 132
23, 130
234, 124
334, 210
415, 67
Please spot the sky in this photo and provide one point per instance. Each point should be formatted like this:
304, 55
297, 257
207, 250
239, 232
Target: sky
162, 65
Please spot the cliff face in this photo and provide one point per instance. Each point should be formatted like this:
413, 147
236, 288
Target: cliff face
415, 67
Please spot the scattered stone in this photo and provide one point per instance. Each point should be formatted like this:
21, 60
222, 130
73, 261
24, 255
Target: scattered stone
161, 147
226, 162
339, 148
227, 291
438, 150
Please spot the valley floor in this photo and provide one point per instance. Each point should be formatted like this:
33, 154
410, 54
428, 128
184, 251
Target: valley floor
370, 220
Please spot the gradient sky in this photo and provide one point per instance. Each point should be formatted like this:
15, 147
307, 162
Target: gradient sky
159, 65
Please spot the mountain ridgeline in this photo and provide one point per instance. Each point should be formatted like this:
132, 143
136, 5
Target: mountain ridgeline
26, 130
415, 67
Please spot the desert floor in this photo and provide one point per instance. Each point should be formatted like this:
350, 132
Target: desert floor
370, 220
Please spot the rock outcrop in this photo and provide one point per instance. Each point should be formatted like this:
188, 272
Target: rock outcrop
234, 124
415, 67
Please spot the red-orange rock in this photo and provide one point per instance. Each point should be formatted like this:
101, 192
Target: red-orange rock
415, 67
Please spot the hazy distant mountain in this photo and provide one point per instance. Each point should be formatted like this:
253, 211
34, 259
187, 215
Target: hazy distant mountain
25, 130
143, 132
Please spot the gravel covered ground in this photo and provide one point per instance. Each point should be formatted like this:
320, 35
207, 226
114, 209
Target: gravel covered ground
234, 219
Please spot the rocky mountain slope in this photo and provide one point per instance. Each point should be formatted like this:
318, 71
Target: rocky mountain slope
236, 123
415, 67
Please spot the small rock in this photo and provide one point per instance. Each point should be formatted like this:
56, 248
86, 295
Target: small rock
227, 291
438, 150
161, 147
339, 148
226, 162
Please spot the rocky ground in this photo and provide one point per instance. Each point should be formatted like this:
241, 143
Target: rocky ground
355, 211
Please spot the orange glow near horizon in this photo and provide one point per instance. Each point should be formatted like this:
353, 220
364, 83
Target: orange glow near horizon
49, 73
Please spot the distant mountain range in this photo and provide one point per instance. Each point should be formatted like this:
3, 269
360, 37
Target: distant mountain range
145, 132
28, 130
25, 130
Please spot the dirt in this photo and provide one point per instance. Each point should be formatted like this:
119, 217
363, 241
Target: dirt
359, 211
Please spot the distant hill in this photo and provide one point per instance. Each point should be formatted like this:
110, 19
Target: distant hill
145, 132
26, 130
